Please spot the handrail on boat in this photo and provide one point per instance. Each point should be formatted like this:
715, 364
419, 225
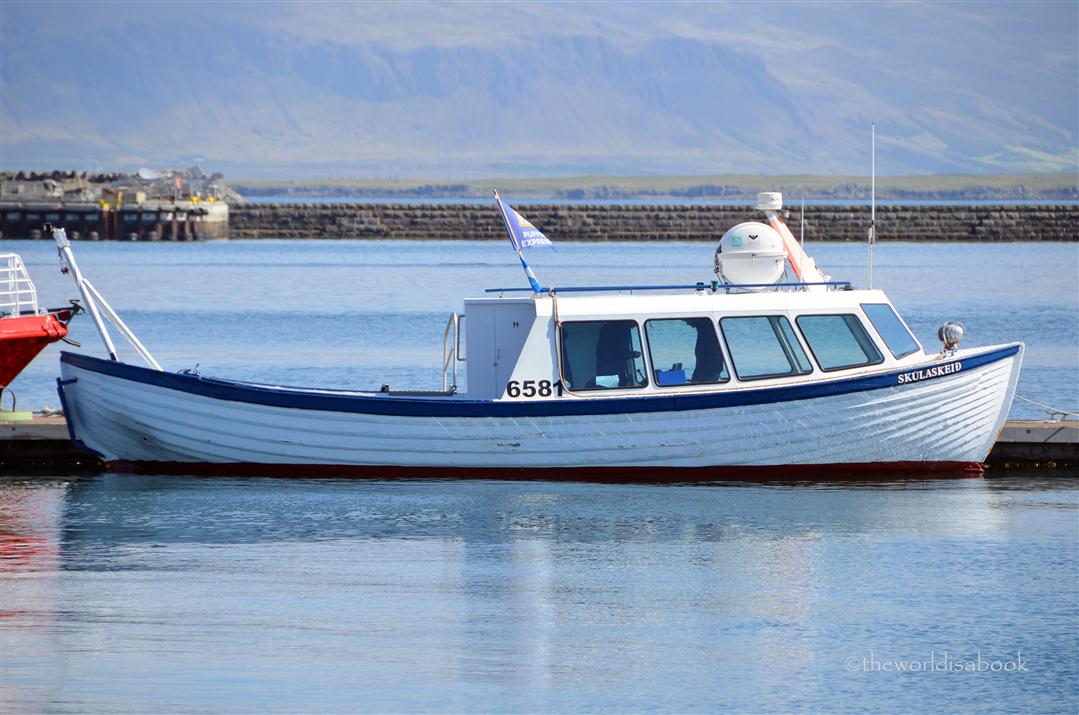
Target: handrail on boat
714, 286
451, 352
17, 293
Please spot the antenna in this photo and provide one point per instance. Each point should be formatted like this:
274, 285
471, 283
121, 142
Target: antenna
802, 232
872, 199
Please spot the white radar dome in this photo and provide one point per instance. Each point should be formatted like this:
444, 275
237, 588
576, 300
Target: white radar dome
769, 201
750, 253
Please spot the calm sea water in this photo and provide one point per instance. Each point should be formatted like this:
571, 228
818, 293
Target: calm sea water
146, 594
125, 593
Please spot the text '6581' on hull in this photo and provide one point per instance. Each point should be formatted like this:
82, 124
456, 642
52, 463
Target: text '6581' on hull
744, 376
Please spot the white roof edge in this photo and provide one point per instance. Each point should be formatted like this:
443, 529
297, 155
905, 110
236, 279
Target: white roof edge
646, 302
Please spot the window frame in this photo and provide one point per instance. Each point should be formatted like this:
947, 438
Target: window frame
917, 343
719, 346
563, 356
781, 340
880, 355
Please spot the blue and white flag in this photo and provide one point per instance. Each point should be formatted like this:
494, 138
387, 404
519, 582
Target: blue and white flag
525, 233
522, 233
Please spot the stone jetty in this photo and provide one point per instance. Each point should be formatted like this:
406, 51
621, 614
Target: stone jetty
650, 223
150, 221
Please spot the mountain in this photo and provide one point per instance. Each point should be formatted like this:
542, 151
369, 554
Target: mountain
467, 90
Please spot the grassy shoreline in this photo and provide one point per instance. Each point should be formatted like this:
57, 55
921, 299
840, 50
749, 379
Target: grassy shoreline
1047, 186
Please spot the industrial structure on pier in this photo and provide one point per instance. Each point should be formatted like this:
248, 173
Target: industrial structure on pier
170, 205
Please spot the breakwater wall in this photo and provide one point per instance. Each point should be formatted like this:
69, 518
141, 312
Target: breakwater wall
562, 222
650, 223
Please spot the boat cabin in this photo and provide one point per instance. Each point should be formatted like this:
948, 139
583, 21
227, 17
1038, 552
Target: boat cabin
637, 341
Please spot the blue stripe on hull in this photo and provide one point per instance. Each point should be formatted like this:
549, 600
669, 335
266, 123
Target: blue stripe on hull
448, 407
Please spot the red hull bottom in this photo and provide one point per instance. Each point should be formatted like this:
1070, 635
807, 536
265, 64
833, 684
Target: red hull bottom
871, 471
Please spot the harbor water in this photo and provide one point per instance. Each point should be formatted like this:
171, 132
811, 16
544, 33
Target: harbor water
145, 594
152, 594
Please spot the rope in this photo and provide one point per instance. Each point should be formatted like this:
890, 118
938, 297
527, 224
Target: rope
1052, 411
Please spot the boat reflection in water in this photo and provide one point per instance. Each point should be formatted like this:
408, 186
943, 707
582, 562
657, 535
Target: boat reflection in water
163, 593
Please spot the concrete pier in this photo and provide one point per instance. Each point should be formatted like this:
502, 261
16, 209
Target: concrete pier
1038, 441
148, 220
42, 447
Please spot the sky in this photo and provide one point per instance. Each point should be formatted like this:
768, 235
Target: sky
468, 90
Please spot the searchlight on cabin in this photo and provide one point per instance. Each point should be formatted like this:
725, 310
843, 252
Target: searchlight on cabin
950, 334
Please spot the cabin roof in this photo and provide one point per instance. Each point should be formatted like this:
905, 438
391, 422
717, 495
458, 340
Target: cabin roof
686, 302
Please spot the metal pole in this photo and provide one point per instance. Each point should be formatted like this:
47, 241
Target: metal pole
121, 326
872, 198
802, 234
59, 235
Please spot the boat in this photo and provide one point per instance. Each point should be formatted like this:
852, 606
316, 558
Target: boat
25, 328
769, 369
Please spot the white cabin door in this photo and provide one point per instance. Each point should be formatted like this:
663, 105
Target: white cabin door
511, 324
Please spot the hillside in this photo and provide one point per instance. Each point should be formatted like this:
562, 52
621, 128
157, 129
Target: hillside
470, 90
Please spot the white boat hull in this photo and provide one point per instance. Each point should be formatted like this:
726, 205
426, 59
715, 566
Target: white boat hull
941, 417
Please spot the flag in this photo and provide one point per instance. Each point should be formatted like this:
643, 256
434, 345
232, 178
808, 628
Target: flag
522, 235
525, 234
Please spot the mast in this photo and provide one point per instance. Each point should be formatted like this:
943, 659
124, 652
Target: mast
802, 231
872, 199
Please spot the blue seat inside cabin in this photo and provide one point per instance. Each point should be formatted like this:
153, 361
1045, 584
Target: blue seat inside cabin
675, 376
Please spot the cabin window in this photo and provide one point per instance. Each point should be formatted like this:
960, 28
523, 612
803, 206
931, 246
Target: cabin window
764, 346
685, 351
602, 355
891, 329
838, 341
